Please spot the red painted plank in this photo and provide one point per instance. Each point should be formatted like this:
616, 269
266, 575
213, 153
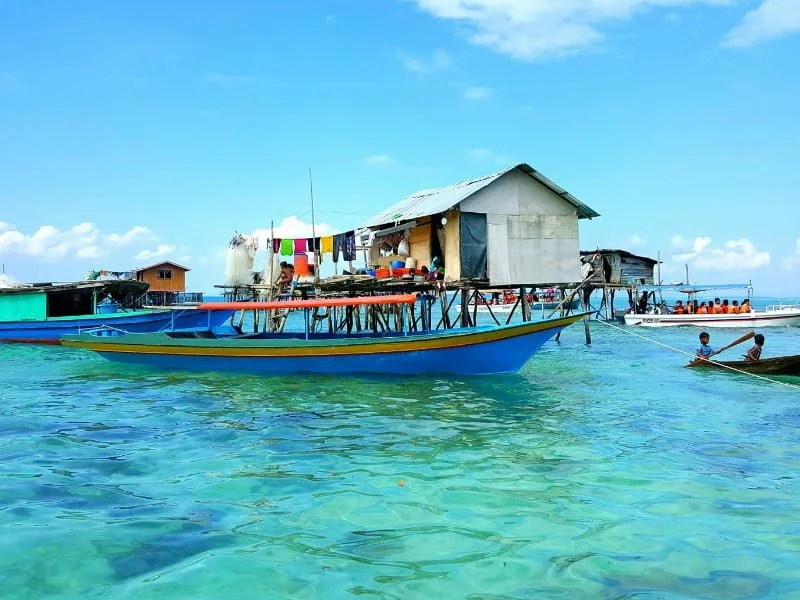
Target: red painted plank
315, 303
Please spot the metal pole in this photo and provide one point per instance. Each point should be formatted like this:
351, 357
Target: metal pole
658, 268
313, 229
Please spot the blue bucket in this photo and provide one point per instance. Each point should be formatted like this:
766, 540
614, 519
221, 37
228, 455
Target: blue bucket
107, 308
398, 264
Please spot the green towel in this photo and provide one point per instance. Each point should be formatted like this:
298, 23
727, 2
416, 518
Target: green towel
287, 247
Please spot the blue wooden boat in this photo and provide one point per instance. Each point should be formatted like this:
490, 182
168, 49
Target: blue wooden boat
469, 351
44, 313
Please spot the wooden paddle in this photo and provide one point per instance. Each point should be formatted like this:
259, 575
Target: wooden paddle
736, 342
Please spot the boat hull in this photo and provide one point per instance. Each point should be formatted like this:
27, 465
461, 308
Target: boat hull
788, 317
50, 331
480, 351
779, 365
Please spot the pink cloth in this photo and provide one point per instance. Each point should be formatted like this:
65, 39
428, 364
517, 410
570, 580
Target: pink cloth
300, 245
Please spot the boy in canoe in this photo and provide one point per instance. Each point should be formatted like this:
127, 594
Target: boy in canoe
704, 351
755, 352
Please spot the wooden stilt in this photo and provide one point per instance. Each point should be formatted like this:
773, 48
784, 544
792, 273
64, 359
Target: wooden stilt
526, 307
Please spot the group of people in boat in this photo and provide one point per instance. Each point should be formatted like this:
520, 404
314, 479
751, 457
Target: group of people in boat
692, 307
712, 308
705, 351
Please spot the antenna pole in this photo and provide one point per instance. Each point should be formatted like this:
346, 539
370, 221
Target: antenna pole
658, 268
313, 228
687, 273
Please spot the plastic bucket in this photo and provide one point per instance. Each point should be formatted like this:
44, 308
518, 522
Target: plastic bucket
301, 264
397, 264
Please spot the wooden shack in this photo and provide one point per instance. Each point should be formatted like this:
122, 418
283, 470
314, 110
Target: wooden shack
513, 227
165, 276
617, 267
167, 281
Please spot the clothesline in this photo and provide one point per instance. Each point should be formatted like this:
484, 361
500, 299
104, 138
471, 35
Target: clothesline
343, 244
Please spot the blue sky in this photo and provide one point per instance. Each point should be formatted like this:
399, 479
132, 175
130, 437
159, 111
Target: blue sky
134, 131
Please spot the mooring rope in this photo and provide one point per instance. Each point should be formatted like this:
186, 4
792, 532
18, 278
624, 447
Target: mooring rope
623, 330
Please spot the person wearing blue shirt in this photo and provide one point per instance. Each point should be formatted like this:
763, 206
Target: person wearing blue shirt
705, 351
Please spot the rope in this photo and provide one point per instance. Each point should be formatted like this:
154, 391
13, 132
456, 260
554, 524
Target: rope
719, 364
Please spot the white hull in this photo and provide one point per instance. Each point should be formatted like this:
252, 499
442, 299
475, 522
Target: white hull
507, 308
778, 317
498, 309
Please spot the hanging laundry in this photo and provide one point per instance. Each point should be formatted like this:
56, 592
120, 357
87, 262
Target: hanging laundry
276, 245
287, 247
326, 244
338, 245
313, 244
349, 247
300, 246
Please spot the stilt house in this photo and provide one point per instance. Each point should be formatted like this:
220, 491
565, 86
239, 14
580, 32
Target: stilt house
513, 227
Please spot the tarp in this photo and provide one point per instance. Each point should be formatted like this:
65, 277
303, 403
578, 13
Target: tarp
473, 245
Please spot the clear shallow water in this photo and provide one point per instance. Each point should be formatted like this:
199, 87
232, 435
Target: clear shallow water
606, 471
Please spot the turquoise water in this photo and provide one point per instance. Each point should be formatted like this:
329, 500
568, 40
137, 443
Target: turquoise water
602, 471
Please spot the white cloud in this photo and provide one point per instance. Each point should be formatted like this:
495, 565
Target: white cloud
292, 227
226, 78
378, 159
680, 242
439, 61
733, 256
535, 29
636, 241
771, 20
4, 226
161, 250
129, 236
477, 93
84, 240
792, 262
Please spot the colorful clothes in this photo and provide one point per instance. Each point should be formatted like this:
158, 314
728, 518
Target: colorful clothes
287, 247
346, 244
326, 244
300, 246
276, 245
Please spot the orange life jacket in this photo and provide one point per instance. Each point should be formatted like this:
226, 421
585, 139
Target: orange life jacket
702, 310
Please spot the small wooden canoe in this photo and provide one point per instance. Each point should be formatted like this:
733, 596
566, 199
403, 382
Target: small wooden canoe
780, 365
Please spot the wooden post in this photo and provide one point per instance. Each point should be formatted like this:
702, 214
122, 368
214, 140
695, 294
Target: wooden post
475, 308
464, 308
526, 307
586, 331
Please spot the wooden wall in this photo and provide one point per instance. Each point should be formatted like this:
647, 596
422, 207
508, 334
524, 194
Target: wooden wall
176, 284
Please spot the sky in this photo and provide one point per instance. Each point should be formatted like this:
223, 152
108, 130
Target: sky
132, 132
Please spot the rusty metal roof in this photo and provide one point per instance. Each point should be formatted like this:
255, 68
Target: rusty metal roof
430, 202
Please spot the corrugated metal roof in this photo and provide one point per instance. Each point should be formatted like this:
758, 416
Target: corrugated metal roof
431, 202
